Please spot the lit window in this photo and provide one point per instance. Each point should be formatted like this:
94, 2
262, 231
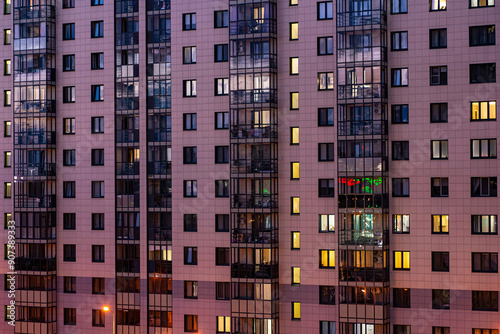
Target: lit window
484, 224
294, 31
295, 203
401, 260
400, 223
483, 111
189, 88
190, 323
326, 258
326, 223
221, 86
325, 81
7, 67
440, 330
483, 148
294, 100
189, 55
295, 275
223, 324
294, 136
7, 36
437, 5
294, 65
295, 170
294, 2
7, 7
7, 190
295, 311
7, 162
7, 98
399, 6
440, 224
69, 126
481, 3
296, 240
439, 149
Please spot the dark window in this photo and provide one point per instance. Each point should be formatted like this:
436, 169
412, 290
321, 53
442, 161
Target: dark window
221, 120
189, 121
221, 19
399, 77
98, 221
221, 188
325, 10
98, 318
484, 224
221, 223
221, 53
402, 329
400, 187
399, 114
97, 29
189, 88
189, 21
191, 255
399, 41
68, 63
190, 188
437, 5
96, 2
439, 149
327, 295
69, 189
190, 222
98, 157
483, 148
481, 3
399, 6
325, 46
190, 155
326, 187
69, 253
441, 299
97, 189
68, 4
97, 253
482, 35
191, 289
401, 297
326, 151
69, 221
97, 93
69, 284
70, 316
483, 111
190, 323
327, 327
69, 126
68, 31
221, 154
482, 73
222, 290
69, 94
440, 261
69, 157
438, 38
400, 223
439, 112
439, 75
485, 300
439, 187
222, 257
97, 286
97, 124
400, 150
485, 262
189, 55
325, 117
221, 86
483, 186
97, 61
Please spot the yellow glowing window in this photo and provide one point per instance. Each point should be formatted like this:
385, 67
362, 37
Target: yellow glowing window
401, 260
7, 190
294, 31
295, 205
294, 136
223, 324
294, 2
295, 240
483, 111
295, 275
327, 258
294, 65
295, 311
7, 159
295, 169
294, 100
440, 224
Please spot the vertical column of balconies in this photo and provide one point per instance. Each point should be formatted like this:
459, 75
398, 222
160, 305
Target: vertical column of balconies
254, 179
362, 166
159, 143
34, 166
127, 181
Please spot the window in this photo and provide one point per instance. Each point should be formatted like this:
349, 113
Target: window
68, 4
399, 77
222, 290
401, 297
401, 260
482, 73
97, 124
326, 258
440, 261
6, 37
69, 221
223, 324
325, 81
7, 98
326, 188
483, 186
191, 255
221, 120
69, 126
399, 114
97, 253
295, 275
97, 286
69, 253
7, 129
483, 148
7, 217
295, 311
481, 3
325, 117
7, 67
68, 31
7, 190
190, 155
439, 149
69, 284
221, 53
97, 93
485, 262
325, 151
325, 10
482, 35
400, 223
327, 295
400, 187
436, 5
221, 188
222, 257
295, 205
70, 316
294, 31
97, 29
440, 224
189, 55
7, 161
439, 75
400, 150
97, 61
221, 86
326, 223
294, 170
485, 301
484, 331
484, 224
7, 7
295, 240
483, 111
191, 289
68, 189
437, 38
325, 46
97, 189
98, 318
399, 6
69, 94
96, 2
189, 21
97, 157
69, 157
439, 187
441, 299
294, 2
98, 221
189, 88
221, 19
221, 154
294, 100
402, 329
189, 121
399, 41
294, 65
221, 223
68, 63
294, 136
327, 327
440, 330
190, 222
439, 112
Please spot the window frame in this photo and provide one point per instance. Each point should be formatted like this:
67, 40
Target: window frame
478, 224
397, 39
189, 55
291, 26
326, 291
398, 113
318, 10
221, 116
326, 188
330, 259
69, 158
441, 190
441, 78
221, 86
68, 63
398, 225
224, 19
326, 117
438, 38
404, 266
440, 155
221, 53
483, 307
97, 189
405, 11
440, 299
400, 150
440, 261
68, 31
189, 88
325, 81
328, 149
492, 192
401, 297
491, 148
97, 29
96, 61
490, 40
187, 121
69, 94
327, 45
194, 188
440, 224
441, 109
191, 25
492, 262
438, 4
479, 6
477, 68
480, 106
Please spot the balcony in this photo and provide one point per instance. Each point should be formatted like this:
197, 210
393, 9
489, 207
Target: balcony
127, 201
35, 138
252, 27
364, 201
254, 202
250, 237
254, 61
34, 12
127, 136
127, 168
35, 169
160, 267
31, 264
364, 238
160, 201
362, 128
159, 168
31, 201
363, 274
35, 74
253, 96
158, 4
249, 131
253, 166
46, 106
159, 234
254, 271
158, 135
